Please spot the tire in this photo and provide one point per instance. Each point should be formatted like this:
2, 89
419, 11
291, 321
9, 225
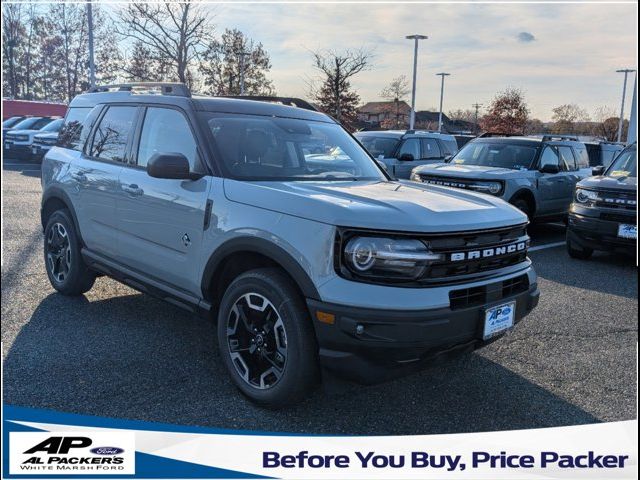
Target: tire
65, 267
578, 253
275, 316
522, 205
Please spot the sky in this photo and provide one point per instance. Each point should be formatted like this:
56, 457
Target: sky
555, 53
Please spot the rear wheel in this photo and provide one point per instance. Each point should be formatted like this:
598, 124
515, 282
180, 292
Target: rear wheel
578, 252
66, 269
266, 338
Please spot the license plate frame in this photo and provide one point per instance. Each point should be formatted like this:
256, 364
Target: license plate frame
498, 319
628, 231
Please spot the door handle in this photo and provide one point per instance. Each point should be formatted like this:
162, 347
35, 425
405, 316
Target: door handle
79, 177
133, 189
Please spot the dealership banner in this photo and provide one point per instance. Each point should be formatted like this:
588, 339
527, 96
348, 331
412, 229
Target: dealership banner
41, 443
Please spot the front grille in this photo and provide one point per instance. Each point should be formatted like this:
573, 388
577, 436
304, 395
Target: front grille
494, 292
454, 182
617, 200
478, 252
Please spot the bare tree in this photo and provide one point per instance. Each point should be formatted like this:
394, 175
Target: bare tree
397, 89
174, 31
335, 96
606, 123
13, 33
567, 116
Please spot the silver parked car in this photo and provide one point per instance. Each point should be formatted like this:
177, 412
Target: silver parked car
230, 209
536, 174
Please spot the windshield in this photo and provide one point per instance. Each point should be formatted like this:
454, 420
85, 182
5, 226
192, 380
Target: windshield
624, 165
53, 126
256, 147
379, 146
11, 121
503, 155
32, 123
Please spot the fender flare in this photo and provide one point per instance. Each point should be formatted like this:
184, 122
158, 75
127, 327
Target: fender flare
527, 192
59, 194
263, 247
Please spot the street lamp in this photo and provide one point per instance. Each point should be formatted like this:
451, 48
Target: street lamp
442, 74
626, 71
415, 38
243, 54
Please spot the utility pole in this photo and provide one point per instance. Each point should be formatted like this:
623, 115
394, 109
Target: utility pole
626, 71
415, 38
442, 74
243, 54
633, 119
477, 107
92, 66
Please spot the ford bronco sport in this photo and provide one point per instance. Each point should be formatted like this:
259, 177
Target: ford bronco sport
603, 215
222, 206
535, 174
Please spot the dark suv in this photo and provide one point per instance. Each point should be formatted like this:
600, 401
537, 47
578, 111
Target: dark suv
603, 215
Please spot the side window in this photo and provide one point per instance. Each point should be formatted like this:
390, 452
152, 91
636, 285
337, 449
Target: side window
412, 146
568, 162
448, 148
166, 130
430, 148
77, 124
549, 157
582, 157
113, 133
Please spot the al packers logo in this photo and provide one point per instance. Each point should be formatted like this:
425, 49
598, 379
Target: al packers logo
68, 453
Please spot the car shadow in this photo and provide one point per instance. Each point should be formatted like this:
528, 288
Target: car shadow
136, 357
28, 169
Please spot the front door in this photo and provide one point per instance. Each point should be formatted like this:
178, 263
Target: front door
162, 220
552, 186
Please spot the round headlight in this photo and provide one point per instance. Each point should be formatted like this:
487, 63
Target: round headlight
494, 187
586, 196
362, 252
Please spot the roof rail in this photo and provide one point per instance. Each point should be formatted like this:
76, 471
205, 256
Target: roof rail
289, 101
549, 138
499, 134
417, 132
166, 88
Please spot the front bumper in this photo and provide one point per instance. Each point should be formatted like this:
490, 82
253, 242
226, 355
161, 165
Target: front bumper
371, 345
589, 230
16, 150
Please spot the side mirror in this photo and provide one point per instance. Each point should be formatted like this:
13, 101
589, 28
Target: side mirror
382, 165
171, 166
599, 170
447, 158
550, 168
406, 157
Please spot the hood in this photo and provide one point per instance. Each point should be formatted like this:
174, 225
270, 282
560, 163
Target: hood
22, 132
47, 135
610, 183
381, 205
475, 172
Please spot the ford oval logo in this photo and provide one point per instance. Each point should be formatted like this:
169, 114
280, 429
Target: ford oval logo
107, 450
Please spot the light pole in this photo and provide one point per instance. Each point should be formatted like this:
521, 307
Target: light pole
633, 118
442, 74
626, 71
92, 66
477, 107
243, 54
415, 38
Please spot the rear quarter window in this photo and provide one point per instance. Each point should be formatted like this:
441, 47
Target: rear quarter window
582, 157
77, 124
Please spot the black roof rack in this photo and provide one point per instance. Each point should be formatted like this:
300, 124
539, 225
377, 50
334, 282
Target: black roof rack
549, 138
166, 88
499, 134
289, 101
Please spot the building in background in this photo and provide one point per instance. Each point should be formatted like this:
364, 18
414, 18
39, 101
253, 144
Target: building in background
14, 108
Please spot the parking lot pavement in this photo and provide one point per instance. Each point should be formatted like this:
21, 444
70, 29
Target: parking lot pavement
118, 353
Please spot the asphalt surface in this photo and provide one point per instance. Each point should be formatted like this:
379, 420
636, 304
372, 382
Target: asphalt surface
117, 353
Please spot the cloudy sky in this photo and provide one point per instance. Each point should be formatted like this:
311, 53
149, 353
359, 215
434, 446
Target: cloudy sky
555, 53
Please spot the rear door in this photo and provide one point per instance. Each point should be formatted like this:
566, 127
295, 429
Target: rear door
95, 174
161, 221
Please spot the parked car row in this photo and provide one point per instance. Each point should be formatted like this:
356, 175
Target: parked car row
29, 137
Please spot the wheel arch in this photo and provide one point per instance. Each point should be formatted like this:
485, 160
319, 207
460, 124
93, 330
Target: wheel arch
57, 199
245, 253
528, 196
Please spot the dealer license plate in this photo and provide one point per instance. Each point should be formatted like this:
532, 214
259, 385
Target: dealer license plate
7, 146
498, 319
34, 150
628, 231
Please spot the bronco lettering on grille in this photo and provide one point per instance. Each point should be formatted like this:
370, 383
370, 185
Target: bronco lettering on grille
489, 252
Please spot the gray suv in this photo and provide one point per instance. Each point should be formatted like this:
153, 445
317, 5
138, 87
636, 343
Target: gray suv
224, 207
401, 151
536, 174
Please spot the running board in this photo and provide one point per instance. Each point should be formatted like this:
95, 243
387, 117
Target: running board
145, 284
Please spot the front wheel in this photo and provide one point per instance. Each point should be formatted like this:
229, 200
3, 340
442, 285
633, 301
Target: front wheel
66, 269
266, 338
